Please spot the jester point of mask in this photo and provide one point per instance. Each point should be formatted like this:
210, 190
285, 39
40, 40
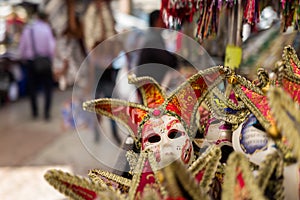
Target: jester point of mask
289, 73
162, 124
255, 100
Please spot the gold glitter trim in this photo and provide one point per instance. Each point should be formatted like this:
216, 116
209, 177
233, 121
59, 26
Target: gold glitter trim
132, 159
140, 81
90, 106
63, 181
272, 165
287, 116
217, 102
179, 182
157, 175
122, 184
286, 70
137, 175
236, 86
260, 117
242, 81
208, 162
251, 190
192, 128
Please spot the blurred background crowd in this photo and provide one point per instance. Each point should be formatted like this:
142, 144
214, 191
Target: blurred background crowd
78, 26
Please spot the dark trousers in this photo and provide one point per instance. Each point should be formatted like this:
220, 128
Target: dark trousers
105, 88
37, 82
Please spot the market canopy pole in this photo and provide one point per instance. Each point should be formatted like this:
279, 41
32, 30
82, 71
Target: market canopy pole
233, 53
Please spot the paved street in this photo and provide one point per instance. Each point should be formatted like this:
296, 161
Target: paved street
29, 148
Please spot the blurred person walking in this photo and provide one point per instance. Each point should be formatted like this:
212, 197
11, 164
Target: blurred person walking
70, 52
155, 60
37, 41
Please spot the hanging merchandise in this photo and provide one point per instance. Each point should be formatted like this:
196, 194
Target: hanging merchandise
177, 12
208, 18
251, 12
205, 13
290, 13
99, 23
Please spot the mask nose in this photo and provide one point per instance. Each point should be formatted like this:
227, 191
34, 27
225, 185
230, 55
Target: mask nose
165, 141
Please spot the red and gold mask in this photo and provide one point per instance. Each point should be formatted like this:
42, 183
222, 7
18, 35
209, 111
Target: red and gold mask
163, 124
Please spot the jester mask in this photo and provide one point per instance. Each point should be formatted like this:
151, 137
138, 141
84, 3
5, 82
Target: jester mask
165, 125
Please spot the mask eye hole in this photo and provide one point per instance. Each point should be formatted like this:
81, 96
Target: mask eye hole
173, 134
154, 139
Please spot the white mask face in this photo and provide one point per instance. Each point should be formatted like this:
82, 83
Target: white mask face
167, 138
252, 141
218, 132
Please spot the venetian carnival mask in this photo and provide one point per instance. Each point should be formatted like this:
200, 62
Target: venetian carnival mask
168, 140
218, 132
262, 166
163, 124
251, 140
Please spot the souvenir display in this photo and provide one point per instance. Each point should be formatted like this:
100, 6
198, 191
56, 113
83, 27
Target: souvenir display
205, 14
163, 128
257, 122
